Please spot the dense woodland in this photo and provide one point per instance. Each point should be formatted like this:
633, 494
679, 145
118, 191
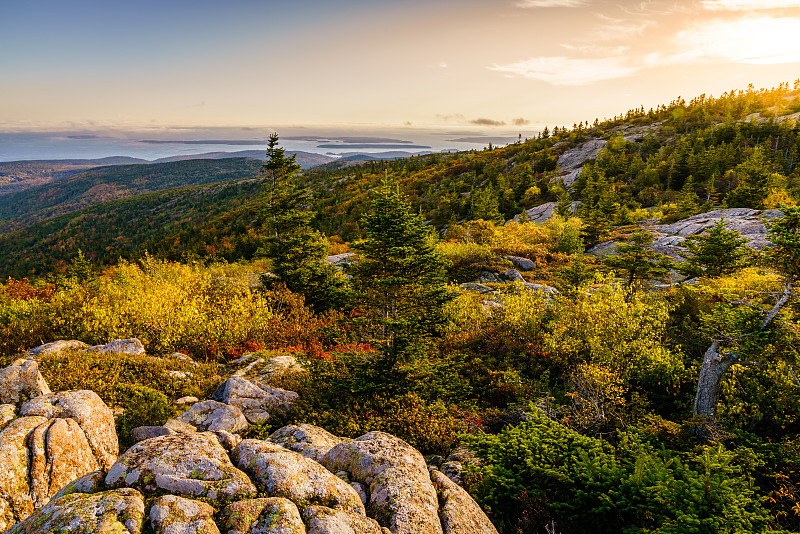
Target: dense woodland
582, 405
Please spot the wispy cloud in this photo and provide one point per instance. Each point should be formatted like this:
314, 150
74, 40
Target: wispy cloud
748, 5
520, 122
487, 122
568, 71
551, 3
452, 117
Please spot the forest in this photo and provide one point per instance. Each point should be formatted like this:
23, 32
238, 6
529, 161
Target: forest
631, 392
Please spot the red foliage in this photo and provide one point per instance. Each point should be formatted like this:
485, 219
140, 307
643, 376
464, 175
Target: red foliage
23, 290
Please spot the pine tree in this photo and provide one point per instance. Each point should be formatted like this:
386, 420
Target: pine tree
718, 253
636, 262
400, 277
297, 251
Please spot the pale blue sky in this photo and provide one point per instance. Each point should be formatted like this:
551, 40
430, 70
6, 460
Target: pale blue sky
456, 64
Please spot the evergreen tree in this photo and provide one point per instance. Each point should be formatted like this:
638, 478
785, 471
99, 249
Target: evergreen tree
486, 205
400, 277
297, 251
636, 262
718, 253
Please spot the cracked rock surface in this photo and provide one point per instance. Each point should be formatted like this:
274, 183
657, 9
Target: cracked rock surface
183, 464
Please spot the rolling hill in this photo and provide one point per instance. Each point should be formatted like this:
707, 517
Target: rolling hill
103, 184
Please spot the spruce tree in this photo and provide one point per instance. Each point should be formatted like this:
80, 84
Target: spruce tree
400, 278
636, 262
297, 251
718, 253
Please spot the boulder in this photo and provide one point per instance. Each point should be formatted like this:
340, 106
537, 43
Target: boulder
311, 441
171, 514
459, 512
272, 515
141, 433
56, 347
88, 483
474, 286
117, 511
523, 264
284, 473
59, 453
342, 261
258, 402
322, 520
513, 275
212, 415
122, 346
402, 496
16, 502
541, 288
191, 464
488, 277
89, 411
21, 381
58, 438
179, 427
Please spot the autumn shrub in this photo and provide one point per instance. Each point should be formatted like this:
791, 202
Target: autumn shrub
467, 259
206, 311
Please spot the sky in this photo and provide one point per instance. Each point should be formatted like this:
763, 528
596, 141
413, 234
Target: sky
188, 69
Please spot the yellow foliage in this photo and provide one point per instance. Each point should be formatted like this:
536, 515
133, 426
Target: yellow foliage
169, 306
624, 337
778, 197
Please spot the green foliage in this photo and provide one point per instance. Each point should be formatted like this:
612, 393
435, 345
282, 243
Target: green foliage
401, 277
539, 471
297, 251
718, 253
636, 262
144, 406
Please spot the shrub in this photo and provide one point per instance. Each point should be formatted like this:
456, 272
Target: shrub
541, 472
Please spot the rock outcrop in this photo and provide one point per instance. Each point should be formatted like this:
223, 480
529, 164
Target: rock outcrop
59, 472
193, 465
55, 439
258, 402
212, 415
21, 381
402, 496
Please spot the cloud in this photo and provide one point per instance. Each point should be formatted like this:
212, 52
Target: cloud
520, 122
569, 71
487, 122
452, 117
748, 5
551, 3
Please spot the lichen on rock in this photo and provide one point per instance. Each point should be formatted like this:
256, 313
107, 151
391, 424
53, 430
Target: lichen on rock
284, 473
118, 511
271, 515
184, 464
402, 496
171, 514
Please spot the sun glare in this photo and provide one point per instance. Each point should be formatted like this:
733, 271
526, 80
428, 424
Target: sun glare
764, 40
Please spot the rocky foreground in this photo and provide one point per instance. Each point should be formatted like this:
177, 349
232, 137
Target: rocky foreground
60, 469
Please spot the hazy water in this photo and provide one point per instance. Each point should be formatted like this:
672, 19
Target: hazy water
32, 146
